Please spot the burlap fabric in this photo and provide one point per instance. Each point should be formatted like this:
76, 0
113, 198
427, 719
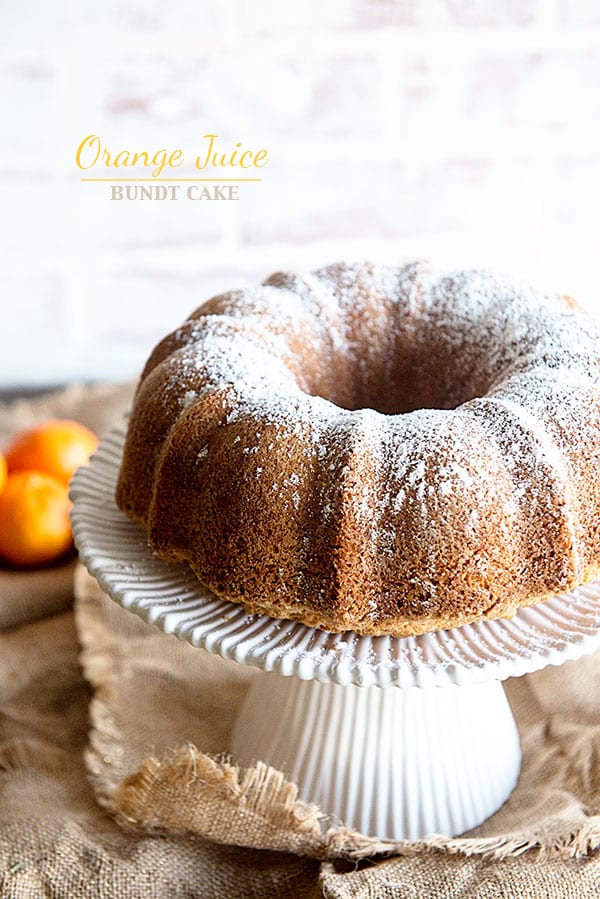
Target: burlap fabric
124, 788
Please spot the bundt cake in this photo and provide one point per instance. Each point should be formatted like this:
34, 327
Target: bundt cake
380, 449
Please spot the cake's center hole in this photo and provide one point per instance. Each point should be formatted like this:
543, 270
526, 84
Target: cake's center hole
435, 383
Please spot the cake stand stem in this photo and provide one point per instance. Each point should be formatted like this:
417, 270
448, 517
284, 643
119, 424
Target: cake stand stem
392, 763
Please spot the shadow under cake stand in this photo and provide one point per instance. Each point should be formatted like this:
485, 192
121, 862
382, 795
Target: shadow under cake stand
396, 737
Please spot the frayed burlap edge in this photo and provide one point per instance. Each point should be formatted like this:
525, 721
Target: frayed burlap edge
258, 808
187, 791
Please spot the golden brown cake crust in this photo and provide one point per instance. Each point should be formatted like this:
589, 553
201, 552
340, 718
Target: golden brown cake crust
389, 450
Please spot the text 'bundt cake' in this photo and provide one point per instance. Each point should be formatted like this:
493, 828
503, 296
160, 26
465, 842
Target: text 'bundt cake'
389, 450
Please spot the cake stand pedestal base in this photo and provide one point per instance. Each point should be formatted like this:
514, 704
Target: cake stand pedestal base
392, 763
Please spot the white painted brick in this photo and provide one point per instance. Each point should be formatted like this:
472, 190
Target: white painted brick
140, 103
319, 200
384, 14
32, 205
275, 17
579, 12
154, 17
491, 93
35, 24
160, 101
333, 201
464, 195
420, 96
558, 90
577, 191
397, 128
488, 13
295, 97
29, 108
272, 16
36, 344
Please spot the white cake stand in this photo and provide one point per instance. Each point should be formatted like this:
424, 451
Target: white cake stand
398, 738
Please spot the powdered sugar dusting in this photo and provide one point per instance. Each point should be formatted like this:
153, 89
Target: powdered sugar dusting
496, 329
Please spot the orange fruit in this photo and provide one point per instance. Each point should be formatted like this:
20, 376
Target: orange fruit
58, 447
3, 472
34, 519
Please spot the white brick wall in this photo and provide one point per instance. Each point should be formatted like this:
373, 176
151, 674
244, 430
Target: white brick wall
468, 132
